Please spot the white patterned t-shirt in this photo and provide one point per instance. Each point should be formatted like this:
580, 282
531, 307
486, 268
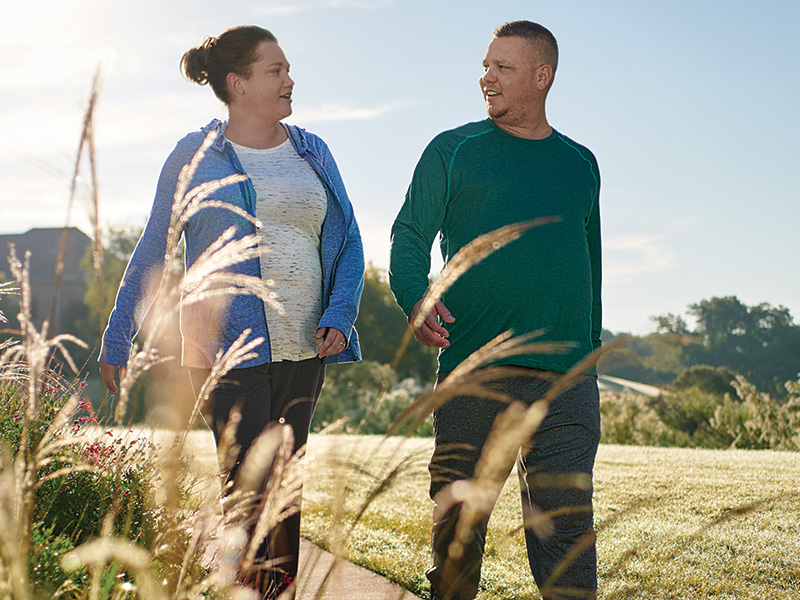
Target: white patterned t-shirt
291, 204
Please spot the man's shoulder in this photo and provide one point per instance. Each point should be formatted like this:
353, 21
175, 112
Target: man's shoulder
576, 146
452, 138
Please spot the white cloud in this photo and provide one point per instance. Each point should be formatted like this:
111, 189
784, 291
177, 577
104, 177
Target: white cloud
629, 257
40, 127
364, 4
36, 67
280, 9
340, 112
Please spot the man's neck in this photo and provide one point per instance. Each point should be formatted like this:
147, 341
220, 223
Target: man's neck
538, 130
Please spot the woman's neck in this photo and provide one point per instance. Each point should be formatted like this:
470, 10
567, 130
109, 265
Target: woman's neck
261, 135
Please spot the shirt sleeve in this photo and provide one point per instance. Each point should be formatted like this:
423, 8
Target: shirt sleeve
419, 220
595, 258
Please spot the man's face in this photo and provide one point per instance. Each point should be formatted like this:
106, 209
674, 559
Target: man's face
509, 80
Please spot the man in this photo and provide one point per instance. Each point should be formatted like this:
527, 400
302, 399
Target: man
510, 168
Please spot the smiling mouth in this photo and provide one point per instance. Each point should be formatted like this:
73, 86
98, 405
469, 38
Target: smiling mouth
491, 93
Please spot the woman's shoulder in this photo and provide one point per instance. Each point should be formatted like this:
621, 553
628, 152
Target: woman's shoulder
194, 139
186, 148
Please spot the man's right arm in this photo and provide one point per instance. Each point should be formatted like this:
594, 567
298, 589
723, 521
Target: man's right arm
420, 219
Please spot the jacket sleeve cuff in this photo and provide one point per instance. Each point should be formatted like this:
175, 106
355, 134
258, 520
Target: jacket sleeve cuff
115, 353
344, 326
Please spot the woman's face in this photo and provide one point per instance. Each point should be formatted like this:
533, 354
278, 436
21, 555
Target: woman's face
267, 92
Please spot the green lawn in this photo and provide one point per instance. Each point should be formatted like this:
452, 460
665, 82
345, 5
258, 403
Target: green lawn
672, 523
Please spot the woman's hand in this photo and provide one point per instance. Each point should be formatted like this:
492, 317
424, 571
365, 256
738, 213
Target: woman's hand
334, 341
107, 375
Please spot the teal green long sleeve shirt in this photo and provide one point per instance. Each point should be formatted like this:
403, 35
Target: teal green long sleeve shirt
477, 178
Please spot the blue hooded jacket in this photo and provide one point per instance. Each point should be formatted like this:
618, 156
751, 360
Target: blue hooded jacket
207, 327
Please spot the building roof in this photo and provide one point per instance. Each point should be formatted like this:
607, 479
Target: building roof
616, 384
44, 244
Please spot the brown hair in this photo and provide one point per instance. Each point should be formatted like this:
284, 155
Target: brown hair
234, 51
543, 42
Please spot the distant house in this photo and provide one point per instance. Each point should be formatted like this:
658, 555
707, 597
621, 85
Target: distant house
44, 245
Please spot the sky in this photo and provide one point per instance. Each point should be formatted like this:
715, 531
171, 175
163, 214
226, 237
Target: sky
690, 107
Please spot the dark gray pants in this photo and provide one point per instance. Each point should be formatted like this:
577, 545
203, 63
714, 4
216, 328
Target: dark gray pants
565, 443
284, 391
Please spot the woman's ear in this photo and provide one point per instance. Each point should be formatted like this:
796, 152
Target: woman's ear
234, 83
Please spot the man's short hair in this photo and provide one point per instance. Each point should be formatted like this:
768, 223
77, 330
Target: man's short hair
543, 42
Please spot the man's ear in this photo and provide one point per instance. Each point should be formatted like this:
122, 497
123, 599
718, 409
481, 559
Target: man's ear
544, 77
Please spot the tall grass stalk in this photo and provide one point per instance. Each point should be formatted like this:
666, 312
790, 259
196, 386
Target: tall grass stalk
32, 352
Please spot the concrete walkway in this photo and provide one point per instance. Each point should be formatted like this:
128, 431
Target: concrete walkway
345, 581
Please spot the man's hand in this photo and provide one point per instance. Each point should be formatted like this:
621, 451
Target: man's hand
431, 332
107, 375
334, 342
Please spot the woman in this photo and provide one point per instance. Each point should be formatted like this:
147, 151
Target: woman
312, 258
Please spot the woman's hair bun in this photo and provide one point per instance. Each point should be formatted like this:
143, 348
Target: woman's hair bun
234, 51
194, 63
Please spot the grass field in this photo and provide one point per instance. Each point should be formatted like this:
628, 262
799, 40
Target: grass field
672, 523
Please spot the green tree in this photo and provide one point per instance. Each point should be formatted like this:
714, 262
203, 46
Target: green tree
711, 380
761, 342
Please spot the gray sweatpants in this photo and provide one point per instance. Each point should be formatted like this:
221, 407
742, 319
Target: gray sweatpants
565, 443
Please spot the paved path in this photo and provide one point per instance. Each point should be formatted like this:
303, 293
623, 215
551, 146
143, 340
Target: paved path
346, 581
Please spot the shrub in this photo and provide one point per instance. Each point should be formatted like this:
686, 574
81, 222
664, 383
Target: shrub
712, 380
628, 418
693, 417
87, 474
760, 421
369, 396
76, 502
